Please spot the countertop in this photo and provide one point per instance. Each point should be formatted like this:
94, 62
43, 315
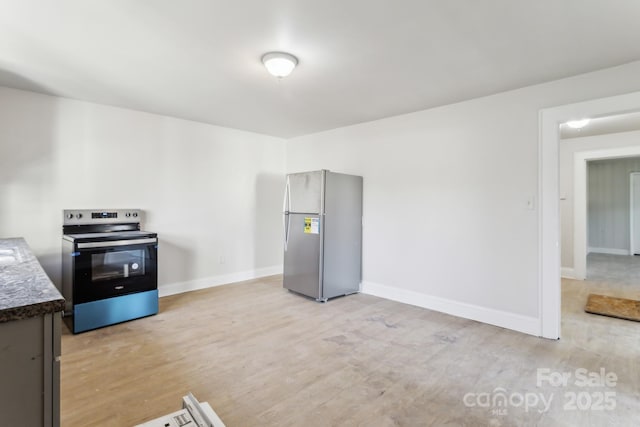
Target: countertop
25, 289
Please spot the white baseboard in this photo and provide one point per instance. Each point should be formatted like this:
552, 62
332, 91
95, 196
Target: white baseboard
504, 319
610, 251
567, 273
210, 282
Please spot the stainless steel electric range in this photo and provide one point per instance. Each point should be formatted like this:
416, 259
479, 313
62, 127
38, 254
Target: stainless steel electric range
109, 268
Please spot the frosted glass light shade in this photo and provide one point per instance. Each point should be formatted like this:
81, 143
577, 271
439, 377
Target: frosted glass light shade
279, 64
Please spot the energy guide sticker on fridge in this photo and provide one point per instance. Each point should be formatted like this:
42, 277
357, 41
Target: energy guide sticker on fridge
312, 225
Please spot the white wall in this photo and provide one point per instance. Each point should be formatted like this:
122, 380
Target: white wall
568, 149
209, 192
609, 204
451, 219
447, 223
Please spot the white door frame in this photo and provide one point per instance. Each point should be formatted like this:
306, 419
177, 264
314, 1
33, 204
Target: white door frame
632, 202
549, 298
580, 225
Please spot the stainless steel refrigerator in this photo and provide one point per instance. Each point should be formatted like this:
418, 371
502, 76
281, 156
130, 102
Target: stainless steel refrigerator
323, 234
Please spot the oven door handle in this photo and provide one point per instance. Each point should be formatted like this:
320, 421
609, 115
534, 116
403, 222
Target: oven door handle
109, 244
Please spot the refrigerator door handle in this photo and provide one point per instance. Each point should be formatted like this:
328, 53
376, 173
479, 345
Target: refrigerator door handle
285, 214
287, 197
285, 227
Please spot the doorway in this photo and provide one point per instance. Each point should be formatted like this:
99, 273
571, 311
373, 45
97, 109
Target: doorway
607, 144
634, 213
574, 198
611, 223
549, 196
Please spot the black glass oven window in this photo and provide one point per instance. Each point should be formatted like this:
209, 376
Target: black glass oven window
117, 265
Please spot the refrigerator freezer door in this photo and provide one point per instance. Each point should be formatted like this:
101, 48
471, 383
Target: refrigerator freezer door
304, 192
302, 255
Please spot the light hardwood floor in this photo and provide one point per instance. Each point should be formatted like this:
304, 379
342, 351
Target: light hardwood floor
614, 269
262, 356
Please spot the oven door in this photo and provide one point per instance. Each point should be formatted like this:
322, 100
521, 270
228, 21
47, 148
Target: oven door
105, 269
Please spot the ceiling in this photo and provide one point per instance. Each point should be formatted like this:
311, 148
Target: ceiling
359, 60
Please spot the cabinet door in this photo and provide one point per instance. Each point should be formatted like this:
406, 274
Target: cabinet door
22, 374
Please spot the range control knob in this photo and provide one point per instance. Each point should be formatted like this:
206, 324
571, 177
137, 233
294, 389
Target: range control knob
69, 216
135, 214
78, 215
128, 214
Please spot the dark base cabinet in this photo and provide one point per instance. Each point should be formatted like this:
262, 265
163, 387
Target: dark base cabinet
30, 371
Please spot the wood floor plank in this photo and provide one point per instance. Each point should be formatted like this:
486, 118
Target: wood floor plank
261, 355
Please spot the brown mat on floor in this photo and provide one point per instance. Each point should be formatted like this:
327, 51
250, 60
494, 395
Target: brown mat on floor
621, 308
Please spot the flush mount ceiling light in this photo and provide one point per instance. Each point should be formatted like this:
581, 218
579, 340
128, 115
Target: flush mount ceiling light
279, 64
578, 124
